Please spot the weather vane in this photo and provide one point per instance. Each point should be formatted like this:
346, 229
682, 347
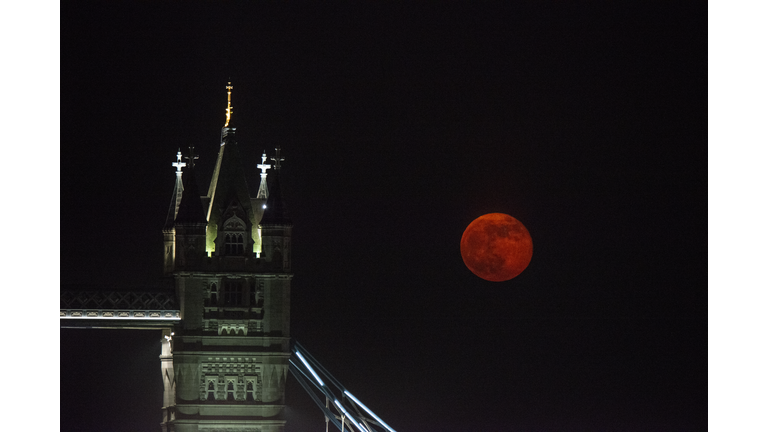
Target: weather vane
229, 99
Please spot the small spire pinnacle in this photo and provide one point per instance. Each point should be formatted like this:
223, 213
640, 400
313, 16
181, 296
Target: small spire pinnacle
274, 210
263, 192
178, 164
277, 158
229, 100
192, 157
262, 166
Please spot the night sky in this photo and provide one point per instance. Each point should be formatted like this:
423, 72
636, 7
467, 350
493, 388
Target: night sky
400, 124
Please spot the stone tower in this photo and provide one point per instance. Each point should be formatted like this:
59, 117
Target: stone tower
229, 256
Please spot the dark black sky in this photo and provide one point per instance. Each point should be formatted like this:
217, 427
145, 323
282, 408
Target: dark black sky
400, 124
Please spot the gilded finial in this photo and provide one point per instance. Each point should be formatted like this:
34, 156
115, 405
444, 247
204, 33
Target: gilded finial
229, 100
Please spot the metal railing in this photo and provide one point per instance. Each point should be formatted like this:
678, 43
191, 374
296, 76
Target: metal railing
342, 410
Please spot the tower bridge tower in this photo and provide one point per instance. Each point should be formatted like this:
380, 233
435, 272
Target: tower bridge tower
228, 253
225, 323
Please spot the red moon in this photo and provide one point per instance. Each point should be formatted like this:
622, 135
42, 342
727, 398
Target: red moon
496, 247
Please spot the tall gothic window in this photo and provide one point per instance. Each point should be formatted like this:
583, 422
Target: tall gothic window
211, 391
214, 294
233, 232
249, 391
230, 391
234, 244
233, 293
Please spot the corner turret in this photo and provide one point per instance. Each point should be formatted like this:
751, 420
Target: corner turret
169, 232
190, 223
275, 225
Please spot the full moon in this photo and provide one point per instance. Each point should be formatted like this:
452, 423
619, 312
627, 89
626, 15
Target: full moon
496, 247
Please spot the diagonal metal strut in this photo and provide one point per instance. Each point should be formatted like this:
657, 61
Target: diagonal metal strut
320, 384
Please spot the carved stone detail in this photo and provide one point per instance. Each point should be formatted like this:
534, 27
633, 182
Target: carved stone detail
217, 373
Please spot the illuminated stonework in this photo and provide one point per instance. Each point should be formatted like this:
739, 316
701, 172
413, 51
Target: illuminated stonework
231, 379
225, 324
230, 351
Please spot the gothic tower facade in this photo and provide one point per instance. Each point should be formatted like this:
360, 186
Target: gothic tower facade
229, 254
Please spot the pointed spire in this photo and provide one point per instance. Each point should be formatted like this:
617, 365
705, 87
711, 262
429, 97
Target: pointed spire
228, 180
275, 213
263, 190
177, 191
191, 206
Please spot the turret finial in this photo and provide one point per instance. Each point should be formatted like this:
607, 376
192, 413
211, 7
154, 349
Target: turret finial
178, 164
229, 106
277, 158
192, 157
263, 166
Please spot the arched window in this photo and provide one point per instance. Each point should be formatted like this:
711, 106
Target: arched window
230, 391
233, 293
249, 391
234, 236
214, 294
211, 391
234, 244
